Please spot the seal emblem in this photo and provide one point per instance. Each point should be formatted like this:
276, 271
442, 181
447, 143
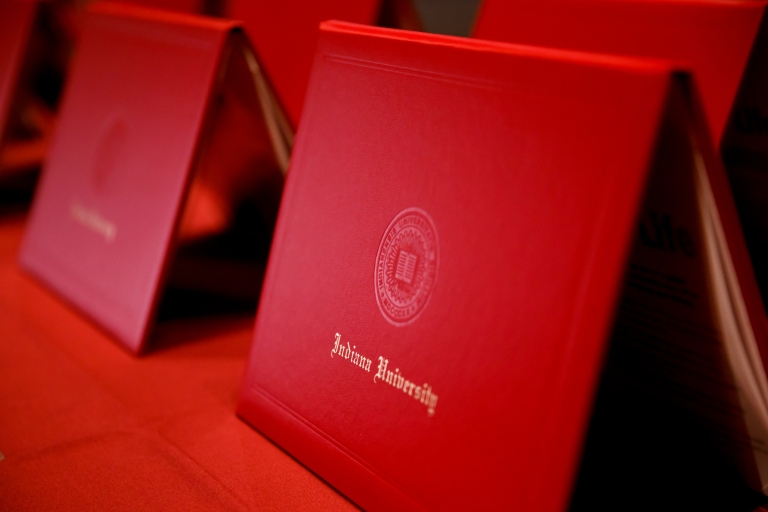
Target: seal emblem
406, 266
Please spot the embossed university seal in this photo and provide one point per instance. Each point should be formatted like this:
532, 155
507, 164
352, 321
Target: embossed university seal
406, 266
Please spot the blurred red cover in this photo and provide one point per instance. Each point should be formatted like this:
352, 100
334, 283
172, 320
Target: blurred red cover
725, 43
711, 36
458, 215
16, 20
188, 6
285, 34
136, 126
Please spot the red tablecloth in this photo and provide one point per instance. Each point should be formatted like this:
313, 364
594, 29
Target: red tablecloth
85, 425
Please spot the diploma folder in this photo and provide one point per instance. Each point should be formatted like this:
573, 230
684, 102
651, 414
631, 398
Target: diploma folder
476, 240
286, 34
714, 38
16, 20
25, 120
163, 117
724, 43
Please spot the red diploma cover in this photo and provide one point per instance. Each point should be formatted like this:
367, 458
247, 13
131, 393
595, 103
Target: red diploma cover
450, 254
285, 34
16, 19
724, 43
155, 99
714, 38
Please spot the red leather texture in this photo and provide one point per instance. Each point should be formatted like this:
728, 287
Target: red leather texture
108, 202
714, 38
285, 35
16, 19
87, 426
529, 165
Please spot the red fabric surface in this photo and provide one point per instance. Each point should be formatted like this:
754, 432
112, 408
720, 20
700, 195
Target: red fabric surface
85, 425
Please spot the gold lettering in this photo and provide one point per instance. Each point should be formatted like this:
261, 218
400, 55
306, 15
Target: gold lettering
336, 345
432, 405
422, 394
382, 369
92, 220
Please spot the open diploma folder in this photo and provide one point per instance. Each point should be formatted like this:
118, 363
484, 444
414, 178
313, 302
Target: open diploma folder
285, 34
166, 120
474, 239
